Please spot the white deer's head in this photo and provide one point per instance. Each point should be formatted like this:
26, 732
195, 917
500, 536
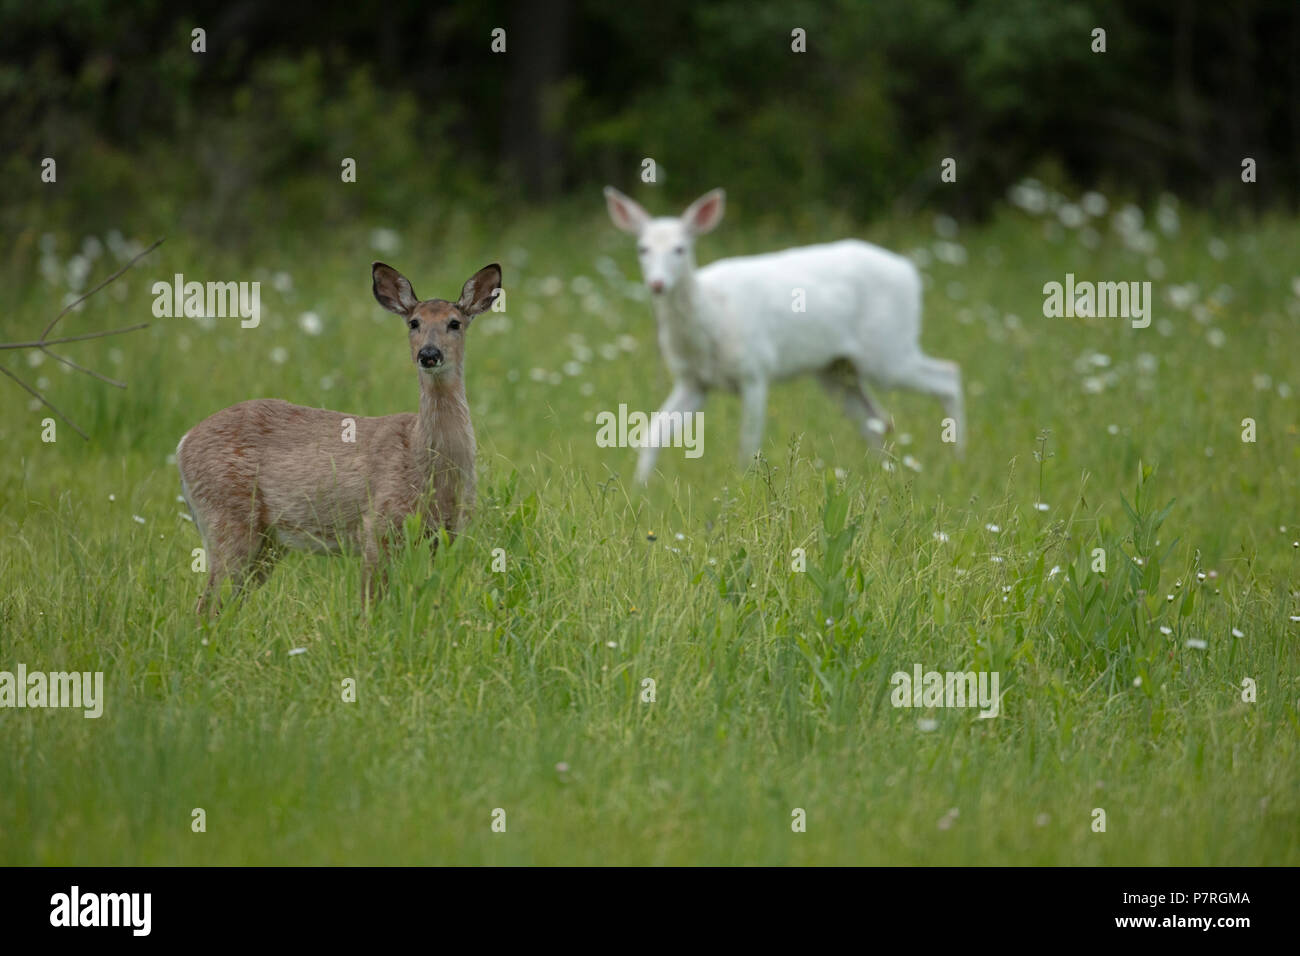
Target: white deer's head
665, 245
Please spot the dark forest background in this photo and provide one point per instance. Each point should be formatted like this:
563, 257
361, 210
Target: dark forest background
257, 126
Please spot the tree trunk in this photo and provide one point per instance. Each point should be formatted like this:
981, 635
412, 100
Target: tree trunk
535, 44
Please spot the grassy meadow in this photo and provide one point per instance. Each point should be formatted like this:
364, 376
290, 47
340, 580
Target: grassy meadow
523, 689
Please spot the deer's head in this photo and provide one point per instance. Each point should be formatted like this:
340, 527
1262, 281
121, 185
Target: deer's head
665, 245
435, 327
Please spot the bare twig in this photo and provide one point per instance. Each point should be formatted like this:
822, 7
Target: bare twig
72, 305
81, 368
41, 343
46, 402
45, 341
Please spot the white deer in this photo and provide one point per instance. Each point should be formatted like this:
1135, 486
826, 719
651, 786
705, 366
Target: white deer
846, 312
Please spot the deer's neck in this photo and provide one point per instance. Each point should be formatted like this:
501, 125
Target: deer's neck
680, 305
443, 433
686, 334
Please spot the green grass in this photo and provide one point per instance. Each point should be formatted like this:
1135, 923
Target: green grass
772, 687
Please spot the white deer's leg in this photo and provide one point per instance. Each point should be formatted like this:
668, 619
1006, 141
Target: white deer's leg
842, 383
753, 415
878, 422
941, 379
683, 400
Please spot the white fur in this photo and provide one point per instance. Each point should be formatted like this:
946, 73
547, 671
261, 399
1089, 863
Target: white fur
733, 324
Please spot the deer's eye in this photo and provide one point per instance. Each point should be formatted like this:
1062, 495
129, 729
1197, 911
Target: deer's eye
453, 324
642, 249
679, 250
414, 323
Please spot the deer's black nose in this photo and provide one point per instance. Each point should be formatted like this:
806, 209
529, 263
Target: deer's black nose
430, 357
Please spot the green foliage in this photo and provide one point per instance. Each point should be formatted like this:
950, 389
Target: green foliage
473, 683
832, 577
253, 131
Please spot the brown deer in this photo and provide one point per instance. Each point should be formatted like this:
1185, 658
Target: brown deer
266, 474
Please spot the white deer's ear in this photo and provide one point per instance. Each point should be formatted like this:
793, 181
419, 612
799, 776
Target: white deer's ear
392, 290
705, 213
626, 213
480, 290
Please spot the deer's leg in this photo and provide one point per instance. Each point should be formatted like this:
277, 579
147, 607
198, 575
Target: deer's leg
237, 550
753, 417
841, 381
262, 566
210, 597
941, 379
374, 553
683, 400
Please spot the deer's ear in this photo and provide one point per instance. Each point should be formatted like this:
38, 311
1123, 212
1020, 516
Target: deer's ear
392, 290
705, 213
480, 290
626, 213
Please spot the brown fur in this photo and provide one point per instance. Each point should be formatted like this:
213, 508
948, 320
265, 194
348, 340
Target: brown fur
265, 474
